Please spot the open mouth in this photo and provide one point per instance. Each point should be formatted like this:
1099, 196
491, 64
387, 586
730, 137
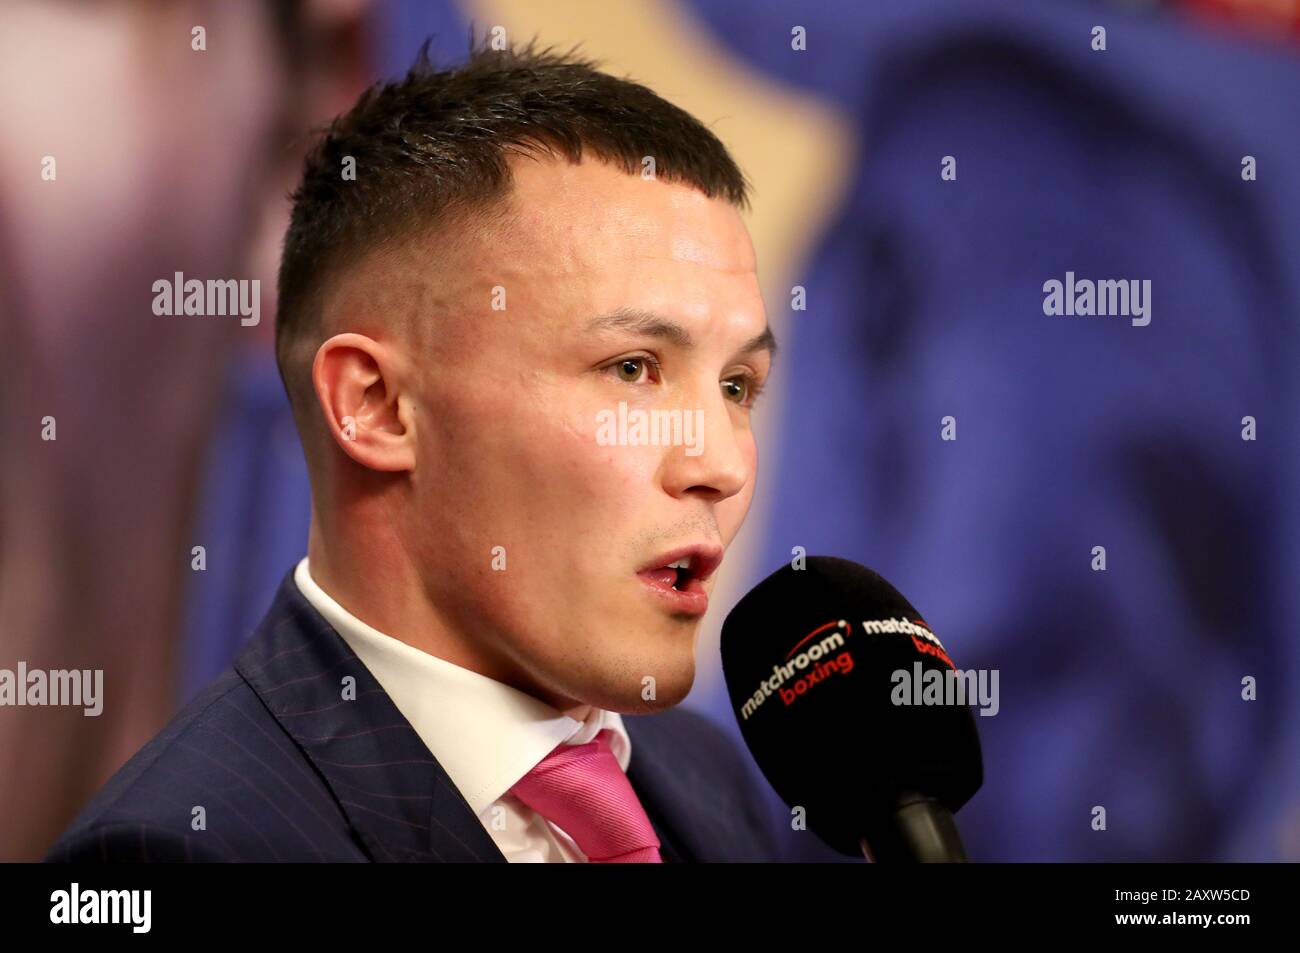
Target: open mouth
679, 576
675, 575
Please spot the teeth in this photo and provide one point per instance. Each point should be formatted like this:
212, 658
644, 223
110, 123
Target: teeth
680, 564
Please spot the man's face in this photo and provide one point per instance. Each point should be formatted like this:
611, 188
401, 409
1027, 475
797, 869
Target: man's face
520, 443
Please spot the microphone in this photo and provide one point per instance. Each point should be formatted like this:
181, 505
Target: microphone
820, 664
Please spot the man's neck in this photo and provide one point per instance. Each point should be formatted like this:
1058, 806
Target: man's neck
384, 592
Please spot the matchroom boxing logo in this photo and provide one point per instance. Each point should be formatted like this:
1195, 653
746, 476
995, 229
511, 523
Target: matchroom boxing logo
926, 642
824, 657
806, 666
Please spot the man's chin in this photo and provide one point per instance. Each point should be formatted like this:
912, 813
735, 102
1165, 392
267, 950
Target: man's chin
648, 693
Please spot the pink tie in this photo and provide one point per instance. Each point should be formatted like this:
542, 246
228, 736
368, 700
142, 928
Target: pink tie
583, 790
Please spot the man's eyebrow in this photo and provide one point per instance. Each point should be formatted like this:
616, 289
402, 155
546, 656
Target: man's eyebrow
650, 324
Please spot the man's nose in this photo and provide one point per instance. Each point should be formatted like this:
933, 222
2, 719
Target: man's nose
710, 462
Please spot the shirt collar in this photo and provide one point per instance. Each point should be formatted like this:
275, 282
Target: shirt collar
485, 734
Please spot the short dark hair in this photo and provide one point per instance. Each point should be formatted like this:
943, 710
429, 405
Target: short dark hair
433, 146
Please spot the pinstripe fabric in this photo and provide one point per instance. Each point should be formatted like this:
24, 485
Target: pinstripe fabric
281, 767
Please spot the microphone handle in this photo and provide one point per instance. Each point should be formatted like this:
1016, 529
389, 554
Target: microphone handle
919, 830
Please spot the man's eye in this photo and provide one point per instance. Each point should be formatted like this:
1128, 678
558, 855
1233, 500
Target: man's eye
742, 389
633, 369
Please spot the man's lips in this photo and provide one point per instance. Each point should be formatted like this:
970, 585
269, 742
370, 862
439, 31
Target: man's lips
703, 560
677, 576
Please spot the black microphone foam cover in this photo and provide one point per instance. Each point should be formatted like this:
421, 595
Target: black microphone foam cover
809, 658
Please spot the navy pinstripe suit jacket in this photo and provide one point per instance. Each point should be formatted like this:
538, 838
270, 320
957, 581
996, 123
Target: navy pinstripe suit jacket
284, 769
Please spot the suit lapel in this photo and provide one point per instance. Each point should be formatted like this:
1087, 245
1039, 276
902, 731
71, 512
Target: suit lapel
399, 801
681, 801
642, 772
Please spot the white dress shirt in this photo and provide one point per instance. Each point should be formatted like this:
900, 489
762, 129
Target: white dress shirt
485, 734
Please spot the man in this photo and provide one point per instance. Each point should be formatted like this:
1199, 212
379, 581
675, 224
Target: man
486, 269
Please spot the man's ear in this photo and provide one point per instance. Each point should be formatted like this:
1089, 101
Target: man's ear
359, 387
